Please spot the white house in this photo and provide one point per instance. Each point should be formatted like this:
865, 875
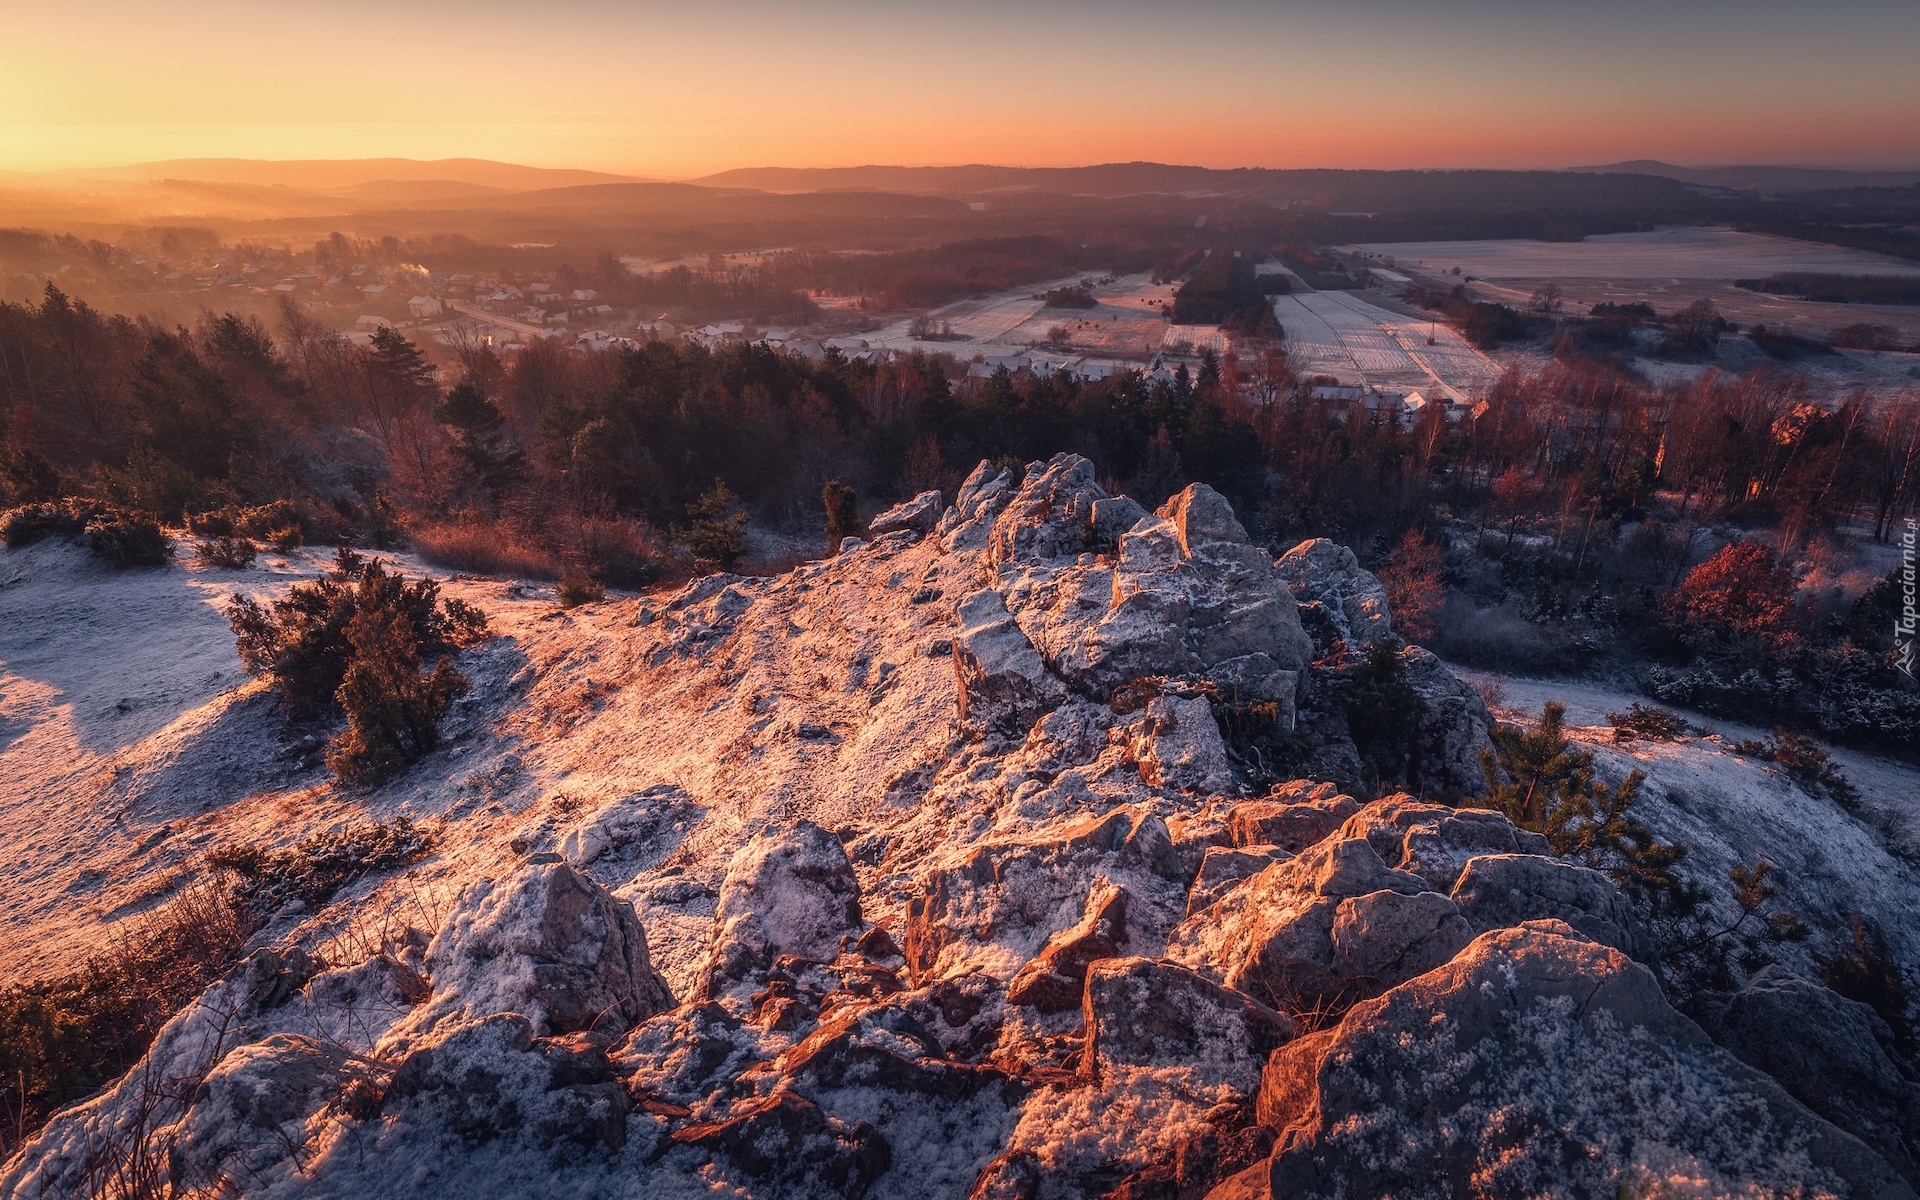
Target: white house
424, 306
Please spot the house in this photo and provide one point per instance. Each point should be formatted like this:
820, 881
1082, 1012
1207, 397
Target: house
283, 288
582, 294
1337, 392
601, 308
375, 291
367, 323
811, 350
846, 345
424, 306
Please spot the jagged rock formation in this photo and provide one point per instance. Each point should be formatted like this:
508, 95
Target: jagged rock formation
960, 891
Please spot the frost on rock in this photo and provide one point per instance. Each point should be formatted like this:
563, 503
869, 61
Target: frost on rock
1181, 592
1334, 590
547, 943
1538, 1062
943, 847
788, 892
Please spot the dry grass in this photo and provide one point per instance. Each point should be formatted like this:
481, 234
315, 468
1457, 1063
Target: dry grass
494, 549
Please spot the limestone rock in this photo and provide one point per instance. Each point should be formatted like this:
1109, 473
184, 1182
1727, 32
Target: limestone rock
790, 891
1501, 890
547, 943
1831, 1053
785, 1140
1560, 1070
1141, 1012
1004, 683
1327, 574
1292, 825
1225, 867
919, 514
1053, 981
1272, 937
1176, 744
1435, 841
993, 906
250, 1114
1454, 728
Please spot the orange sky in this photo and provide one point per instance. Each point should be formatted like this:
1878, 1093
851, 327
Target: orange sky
660, 90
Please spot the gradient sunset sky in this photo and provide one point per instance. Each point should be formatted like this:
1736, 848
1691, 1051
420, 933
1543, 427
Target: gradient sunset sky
684, 89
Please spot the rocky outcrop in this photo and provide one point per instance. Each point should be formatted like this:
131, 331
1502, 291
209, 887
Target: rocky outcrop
1142, 1012
1558, 1065
1500, 890
1339, 594
1008, 926
919, 515
1834, 1055
788, 892
547, 943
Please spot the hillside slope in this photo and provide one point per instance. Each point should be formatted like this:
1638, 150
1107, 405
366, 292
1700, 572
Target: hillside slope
921, 871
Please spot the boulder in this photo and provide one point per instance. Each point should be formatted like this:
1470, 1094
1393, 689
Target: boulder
789, 891
1053, 980
492, 1078
968, 523
1499, 890
919, 514
1176, 744
1004, 684
1388, 937
1831, 1054
1538, 1063
689, 1055
1272, 936
992, 906
880, 1047
1225, 867
1292, 825
1435, 841
545, 942
1454, 724
1141, 1012
251, 1112
785, 1141
1324, 573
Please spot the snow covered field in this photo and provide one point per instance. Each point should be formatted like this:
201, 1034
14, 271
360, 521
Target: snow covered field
1337, 333
1125, 326
1672, 253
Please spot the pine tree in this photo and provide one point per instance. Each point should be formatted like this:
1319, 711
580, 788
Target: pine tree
718, 537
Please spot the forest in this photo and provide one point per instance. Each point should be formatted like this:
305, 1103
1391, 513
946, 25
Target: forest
1566, 515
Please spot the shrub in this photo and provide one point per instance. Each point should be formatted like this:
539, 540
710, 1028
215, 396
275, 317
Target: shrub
1805, 762
229, 552
1654, 724
301, 641
1415, 587
575, 590
1488, 325
1740, 599
286, 539
128, 540
393, 711
314, 870
62, 1040
30, 477
30, 523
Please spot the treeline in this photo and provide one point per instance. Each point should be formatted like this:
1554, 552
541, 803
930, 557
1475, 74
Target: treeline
1839, 289
1895, 239
1224, 291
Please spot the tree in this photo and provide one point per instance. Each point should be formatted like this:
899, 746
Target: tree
1740, 599
476, 423
393, 710
1415, 587
1548, 297
843, 513
1698, 326
718, 536
1383, 715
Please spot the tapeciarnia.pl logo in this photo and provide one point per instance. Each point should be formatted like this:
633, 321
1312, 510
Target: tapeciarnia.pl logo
1904, 624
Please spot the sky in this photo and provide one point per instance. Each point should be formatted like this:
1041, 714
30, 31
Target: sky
680, 90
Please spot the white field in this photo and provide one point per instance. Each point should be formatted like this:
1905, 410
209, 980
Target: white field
1126, 324
1673, 254
1337, 333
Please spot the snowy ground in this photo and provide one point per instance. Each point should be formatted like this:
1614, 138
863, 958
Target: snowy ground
1729, 810
1340, 334
1683, 252
1125, 327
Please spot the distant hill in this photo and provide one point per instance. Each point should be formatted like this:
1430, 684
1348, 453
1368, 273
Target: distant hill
1761, 178
342, 173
